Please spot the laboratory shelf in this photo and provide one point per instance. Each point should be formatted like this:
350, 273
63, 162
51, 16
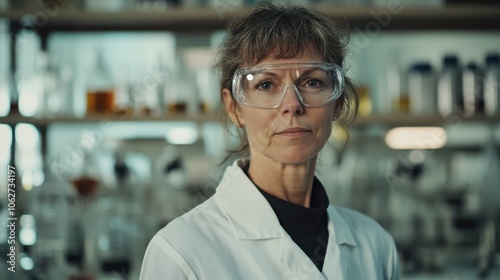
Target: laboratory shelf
392, 120
371, 19
101, 118
388, 120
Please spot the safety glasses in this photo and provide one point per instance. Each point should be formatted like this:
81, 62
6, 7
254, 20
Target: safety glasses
265, 86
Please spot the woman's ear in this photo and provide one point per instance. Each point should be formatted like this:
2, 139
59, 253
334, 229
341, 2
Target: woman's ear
337, 108
232, 107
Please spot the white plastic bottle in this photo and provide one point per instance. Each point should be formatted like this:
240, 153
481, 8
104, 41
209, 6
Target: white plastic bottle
450, 86
472, 88
5, 75
492, 85
421, 88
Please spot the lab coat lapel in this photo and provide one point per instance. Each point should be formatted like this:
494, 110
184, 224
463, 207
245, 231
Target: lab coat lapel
337, 262
248, 212
341, 242
298, 264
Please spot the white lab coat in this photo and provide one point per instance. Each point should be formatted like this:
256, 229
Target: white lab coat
236, 235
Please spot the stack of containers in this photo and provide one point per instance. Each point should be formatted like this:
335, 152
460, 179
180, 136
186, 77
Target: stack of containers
469, 90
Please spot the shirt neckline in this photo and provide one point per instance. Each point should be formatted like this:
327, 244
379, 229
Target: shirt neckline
292, 215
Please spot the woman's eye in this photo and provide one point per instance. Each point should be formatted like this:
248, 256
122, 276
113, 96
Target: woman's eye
264, 86
314, 83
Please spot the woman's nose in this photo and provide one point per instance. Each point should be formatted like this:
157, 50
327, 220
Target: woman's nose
291, 103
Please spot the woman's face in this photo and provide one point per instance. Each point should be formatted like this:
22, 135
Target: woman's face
290, 133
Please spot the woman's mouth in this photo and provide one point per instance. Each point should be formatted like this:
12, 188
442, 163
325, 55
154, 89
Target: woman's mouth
294, 132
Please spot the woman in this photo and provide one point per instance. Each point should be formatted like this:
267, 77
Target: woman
282, 84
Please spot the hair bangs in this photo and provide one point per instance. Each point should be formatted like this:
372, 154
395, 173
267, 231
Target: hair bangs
283, 37
278, 49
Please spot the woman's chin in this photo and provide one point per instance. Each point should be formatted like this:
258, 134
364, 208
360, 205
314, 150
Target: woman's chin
295, 157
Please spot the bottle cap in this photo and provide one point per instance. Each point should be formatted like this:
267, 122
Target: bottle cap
450, 60
472, 66
423, 67
492, 58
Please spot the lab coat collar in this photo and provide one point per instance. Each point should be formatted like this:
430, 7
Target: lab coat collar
251, 216
248, 212
338, 228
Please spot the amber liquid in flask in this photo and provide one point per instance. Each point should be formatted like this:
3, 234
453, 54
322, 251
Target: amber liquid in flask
177, 108
100, 88
100, 101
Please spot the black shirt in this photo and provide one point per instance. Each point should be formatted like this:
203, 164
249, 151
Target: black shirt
308, 227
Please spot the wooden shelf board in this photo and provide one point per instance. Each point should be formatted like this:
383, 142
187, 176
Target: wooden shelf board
450, 18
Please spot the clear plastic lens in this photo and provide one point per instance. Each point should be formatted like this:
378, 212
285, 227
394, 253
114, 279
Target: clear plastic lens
315, 84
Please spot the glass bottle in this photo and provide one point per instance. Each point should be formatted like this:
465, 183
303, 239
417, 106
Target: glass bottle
472, 89
13, 96
65, 90
144, 90
86, 182
4, 67
365, 102
45, 80
28, 78
421, 88
119, 229
176, 95
450, 86
4, 96
395, 89
152, 85
123, 104
492, 85
206, 86
100, 88
58, 85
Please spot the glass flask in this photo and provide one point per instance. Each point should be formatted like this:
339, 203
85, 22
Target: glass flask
100, 88
84, 229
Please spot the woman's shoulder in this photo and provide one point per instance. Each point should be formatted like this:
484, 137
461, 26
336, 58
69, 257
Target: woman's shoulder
363, 226
195, 224
192, 219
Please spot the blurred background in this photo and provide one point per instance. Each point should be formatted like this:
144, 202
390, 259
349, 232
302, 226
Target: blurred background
110, 115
